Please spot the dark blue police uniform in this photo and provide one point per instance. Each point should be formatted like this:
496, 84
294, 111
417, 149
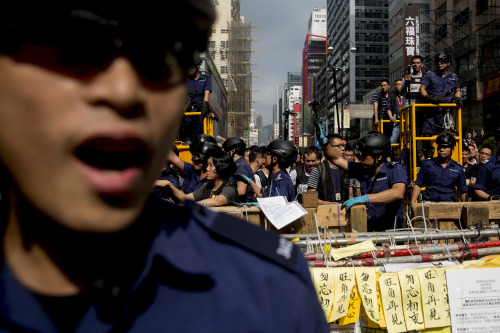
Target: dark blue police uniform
488, 178
245, 169
196, 93
380, 216
192, 180
280, 184
165, 192
438, 86
440, 182
203, 273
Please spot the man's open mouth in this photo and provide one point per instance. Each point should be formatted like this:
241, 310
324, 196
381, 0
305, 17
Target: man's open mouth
112, 154
113, 167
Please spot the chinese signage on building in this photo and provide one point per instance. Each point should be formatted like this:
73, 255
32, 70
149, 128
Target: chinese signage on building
492, 85
411, 33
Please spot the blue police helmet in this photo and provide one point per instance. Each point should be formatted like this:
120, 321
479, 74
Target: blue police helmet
200, 139
234, 142
375, 143
446, 140
442, 57
283, 149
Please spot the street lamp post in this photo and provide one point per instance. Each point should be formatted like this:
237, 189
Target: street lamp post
287, 113
334, 69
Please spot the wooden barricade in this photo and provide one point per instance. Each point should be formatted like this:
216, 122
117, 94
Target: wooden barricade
327, 215
449, 214
250, 214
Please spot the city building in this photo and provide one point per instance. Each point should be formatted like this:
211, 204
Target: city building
230, 48
358, 35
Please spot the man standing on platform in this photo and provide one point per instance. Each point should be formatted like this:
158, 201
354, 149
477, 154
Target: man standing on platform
199, 90
382, 108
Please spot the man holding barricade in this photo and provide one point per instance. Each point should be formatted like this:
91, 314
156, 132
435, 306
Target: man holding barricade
383, 184
441, 175
87, 121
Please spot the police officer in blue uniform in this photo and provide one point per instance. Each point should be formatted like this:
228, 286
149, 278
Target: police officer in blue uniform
193, 174
199, 90
236, 148
439, 86
441, 175
280, 155
86, 246
382, 183
487, 185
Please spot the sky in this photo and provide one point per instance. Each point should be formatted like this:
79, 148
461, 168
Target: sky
281, 30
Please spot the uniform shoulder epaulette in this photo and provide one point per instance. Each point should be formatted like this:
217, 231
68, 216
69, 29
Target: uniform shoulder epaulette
254, 239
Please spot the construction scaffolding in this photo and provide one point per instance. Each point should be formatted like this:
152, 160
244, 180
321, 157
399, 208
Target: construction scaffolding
240, 77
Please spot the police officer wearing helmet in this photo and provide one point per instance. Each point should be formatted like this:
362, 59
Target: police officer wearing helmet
193, 174
200, 138
439, 86
236, 148
441, 175
280, 155
382, 183
86, 245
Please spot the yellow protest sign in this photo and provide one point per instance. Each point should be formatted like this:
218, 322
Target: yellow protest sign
379, 302
367, 287
434, 297
412, 302
352, 250
354, 308
391, 302
344, 281
323, 281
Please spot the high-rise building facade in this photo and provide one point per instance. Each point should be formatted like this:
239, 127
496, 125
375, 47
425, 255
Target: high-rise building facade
358, 32
218, 47
230, 47
313, 53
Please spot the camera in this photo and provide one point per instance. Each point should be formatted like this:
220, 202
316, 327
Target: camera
410, 69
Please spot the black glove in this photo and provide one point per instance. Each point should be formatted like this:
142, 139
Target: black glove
432, 99
242, 178
458, 100
493, 197
204, 108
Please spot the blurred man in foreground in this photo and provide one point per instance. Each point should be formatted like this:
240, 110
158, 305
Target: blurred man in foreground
88, 120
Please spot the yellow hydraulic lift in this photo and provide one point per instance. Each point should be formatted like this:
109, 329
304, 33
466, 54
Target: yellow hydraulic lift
408, 137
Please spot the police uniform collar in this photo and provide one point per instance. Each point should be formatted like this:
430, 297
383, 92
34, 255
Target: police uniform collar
175, 243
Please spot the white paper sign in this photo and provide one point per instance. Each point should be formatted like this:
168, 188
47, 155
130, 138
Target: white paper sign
280, 212
350, 328
474, 296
